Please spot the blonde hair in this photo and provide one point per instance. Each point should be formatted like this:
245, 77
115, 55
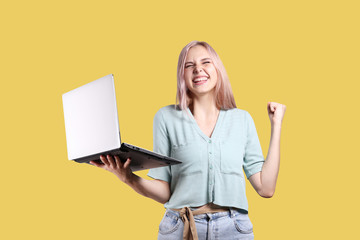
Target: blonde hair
223, 93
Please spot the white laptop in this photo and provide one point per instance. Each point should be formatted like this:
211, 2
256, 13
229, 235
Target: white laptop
92, 127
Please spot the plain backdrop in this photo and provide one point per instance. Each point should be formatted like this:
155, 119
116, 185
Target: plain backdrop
304, 54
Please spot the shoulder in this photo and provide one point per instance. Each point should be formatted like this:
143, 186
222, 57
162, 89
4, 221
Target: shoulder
168, 110
168, 114
237, 113
238, 116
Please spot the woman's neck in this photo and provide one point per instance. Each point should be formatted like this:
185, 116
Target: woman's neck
204, 106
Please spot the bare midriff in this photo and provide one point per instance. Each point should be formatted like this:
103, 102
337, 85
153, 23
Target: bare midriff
212, 208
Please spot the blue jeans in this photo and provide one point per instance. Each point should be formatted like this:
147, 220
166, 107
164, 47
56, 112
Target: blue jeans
230, 225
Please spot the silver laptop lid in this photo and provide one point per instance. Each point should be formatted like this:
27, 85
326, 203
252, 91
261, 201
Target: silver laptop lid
91, 119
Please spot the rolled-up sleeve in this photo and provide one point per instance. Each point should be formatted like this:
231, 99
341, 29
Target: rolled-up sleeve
253, 158
161, 145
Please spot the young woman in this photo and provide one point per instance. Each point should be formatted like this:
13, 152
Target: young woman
205, 196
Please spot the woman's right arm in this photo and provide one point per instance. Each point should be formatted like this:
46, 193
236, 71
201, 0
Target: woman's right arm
155, 189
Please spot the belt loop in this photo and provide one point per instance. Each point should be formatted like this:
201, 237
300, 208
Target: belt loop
232, 212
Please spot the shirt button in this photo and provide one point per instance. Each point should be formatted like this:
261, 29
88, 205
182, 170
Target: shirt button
210, 166
209, 141
210, 153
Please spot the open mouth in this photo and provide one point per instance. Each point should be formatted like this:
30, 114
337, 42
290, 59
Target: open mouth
200, 80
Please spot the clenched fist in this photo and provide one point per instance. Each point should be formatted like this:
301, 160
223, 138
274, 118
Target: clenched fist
276, 113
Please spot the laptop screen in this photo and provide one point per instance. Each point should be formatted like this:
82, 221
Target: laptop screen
91, 118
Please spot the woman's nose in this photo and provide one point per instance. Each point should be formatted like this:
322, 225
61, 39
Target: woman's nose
197, 69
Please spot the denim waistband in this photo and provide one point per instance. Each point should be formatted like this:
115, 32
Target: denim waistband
232, 212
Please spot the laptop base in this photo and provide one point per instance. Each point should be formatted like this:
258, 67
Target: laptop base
140, 158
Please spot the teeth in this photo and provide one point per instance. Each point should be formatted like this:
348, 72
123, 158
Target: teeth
200, 79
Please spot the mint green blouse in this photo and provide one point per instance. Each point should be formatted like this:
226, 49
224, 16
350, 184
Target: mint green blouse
212, 168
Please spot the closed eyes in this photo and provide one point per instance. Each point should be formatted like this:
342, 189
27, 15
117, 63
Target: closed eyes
190, 65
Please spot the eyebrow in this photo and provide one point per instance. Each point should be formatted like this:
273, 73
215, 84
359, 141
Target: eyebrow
200, 60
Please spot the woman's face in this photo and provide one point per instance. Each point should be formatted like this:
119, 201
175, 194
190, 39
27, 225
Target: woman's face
200, 73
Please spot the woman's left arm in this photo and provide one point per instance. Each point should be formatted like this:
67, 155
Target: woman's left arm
264, 182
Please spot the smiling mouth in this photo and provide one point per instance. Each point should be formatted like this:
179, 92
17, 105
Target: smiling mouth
200, 80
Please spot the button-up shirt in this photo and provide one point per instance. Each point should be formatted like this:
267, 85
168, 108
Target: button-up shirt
212, 167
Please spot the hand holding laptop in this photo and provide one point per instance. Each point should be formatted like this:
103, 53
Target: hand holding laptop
115, 166
93, 135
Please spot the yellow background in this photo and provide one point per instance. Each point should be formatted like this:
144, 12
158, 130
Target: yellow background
304, 54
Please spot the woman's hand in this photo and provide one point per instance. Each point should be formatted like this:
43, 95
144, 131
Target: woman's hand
121, 170
276, 113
